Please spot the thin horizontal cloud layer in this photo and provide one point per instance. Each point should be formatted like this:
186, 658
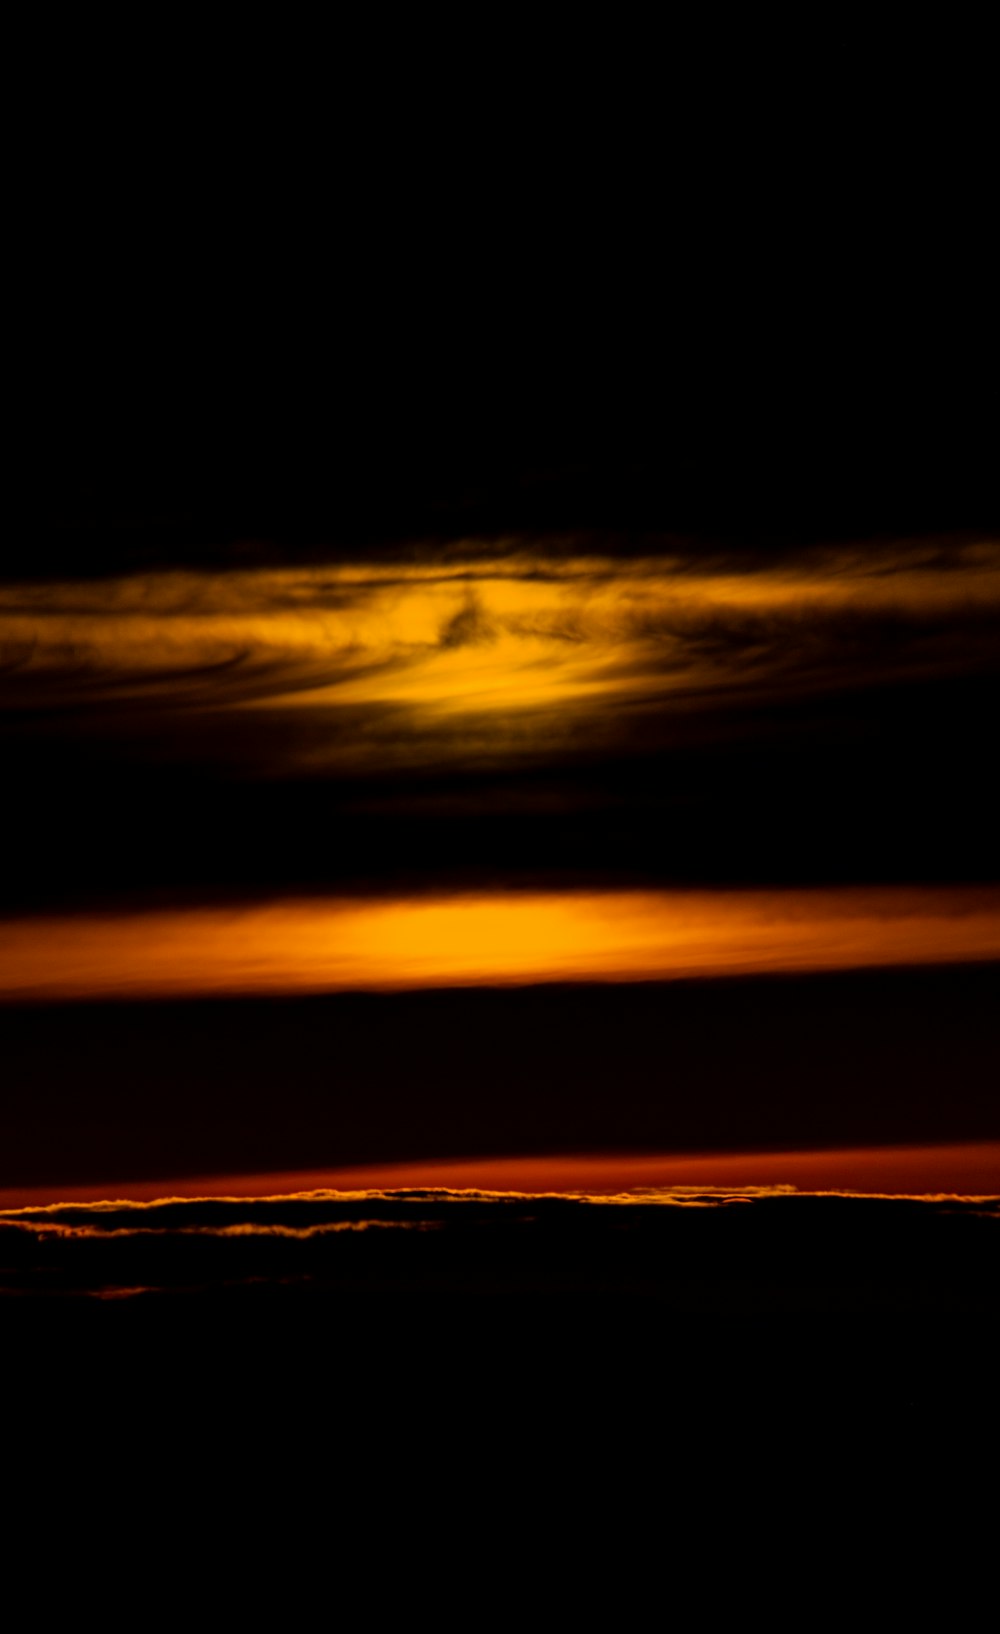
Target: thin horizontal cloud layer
969, 1169
322, 946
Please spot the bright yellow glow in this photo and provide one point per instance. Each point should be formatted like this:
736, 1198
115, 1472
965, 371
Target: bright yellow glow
320, 945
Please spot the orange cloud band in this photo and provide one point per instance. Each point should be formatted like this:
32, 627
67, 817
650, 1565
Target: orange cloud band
325, 946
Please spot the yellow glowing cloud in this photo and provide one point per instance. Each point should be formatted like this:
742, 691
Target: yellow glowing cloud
477, 636
319, 945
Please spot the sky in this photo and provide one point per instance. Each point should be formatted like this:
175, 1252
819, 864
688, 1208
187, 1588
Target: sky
499, 671
474, 764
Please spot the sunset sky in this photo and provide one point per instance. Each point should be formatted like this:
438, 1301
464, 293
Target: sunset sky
469, 779
499, 867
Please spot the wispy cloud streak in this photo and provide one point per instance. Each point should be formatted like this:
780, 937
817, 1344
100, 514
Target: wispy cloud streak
544, 638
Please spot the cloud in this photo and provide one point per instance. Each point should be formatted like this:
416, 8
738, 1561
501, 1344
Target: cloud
519, 635
776, 1250
468, 627
511, 683
520, 938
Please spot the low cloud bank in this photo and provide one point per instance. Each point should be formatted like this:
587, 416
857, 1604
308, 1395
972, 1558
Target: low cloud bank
693, 1249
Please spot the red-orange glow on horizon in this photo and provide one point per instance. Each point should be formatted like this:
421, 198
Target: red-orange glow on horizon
328, 946
965, 1170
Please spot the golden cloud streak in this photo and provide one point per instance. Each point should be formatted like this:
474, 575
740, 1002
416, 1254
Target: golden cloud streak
328, 946
475, 636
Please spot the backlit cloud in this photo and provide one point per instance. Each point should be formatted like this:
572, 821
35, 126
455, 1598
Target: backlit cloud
328, 946
755, 1248
455, 652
